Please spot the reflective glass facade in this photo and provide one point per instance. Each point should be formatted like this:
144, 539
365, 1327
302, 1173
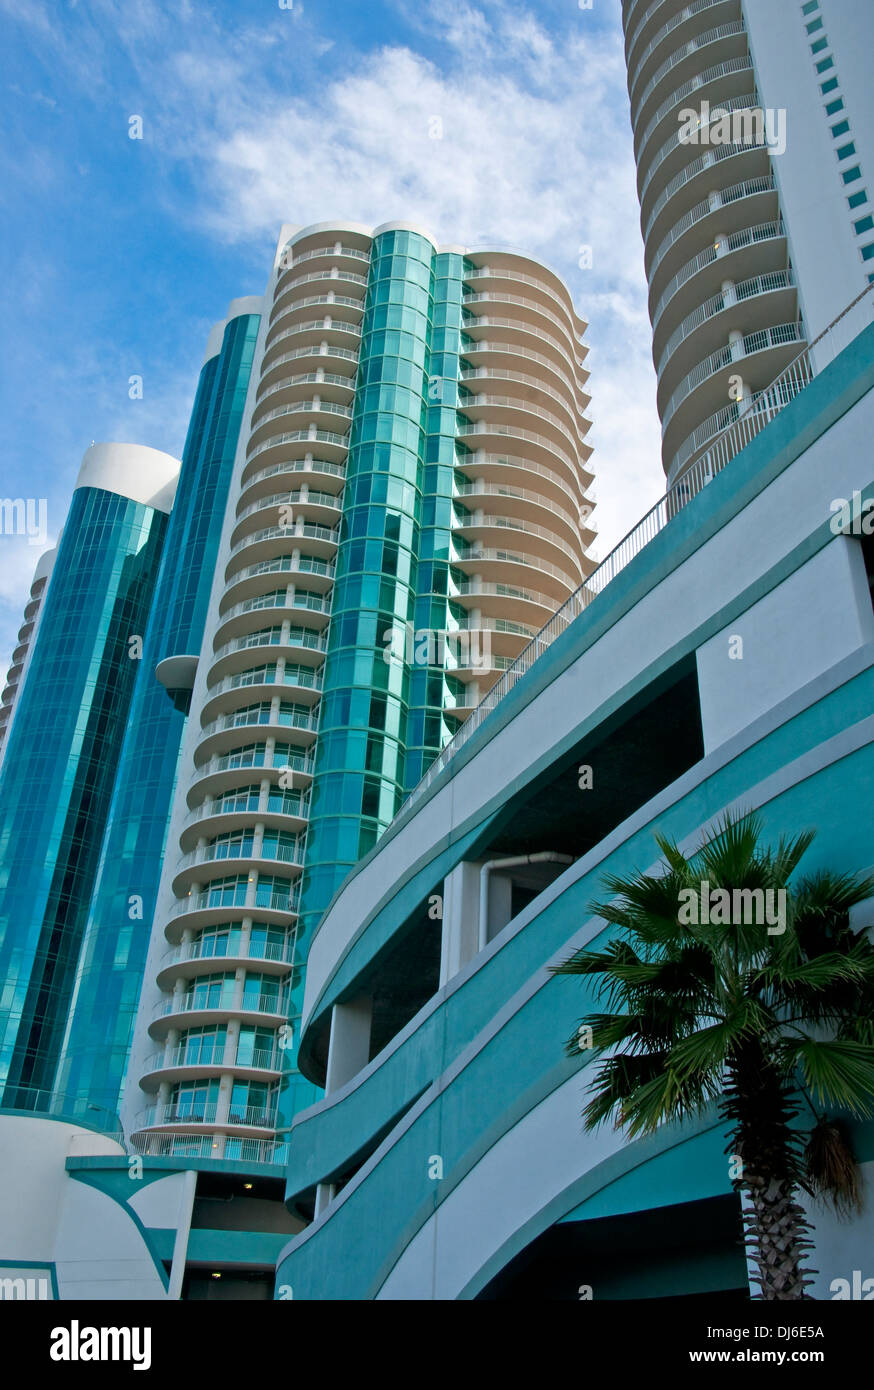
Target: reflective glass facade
57, 776
360, 772
113, 955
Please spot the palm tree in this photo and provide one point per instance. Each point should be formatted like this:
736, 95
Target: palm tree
765, 1020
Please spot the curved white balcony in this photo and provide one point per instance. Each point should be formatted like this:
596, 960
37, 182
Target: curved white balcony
701, 85
576, 400
635, 30
755, 288
271, 1006
492, 272
231, 731
202, 865
491, 563
752, 160
256, 483
215, 1146
352, 253
546, 543
201, 909
722, 36
510, 467
322, 330
248, 581
313, 407
313, 435
507, 407
182, 1063
764, 407
322, 509
323, 541
355, 303
325, 353
504, 600
189, 1114
497, 490
730, 204
495, 430
531, 308
480, 323
730, 265
226, 772
727, 356
698, 10
334, 386
329, 275
674, 146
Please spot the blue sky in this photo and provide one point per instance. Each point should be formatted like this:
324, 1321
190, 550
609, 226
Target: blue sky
119, 254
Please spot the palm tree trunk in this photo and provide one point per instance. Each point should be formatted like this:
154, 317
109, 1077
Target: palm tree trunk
776, 1231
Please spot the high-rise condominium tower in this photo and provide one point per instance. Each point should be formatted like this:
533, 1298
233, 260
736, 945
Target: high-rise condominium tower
244, 663
754, 139
408, 506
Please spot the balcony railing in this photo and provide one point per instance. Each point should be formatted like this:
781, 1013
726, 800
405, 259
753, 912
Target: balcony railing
777, 336
748, 188
752, 417
747, 289
209, 1146
251, 1003
190, 1055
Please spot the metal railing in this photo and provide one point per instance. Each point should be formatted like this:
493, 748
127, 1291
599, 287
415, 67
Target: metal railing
694, 84
752, 417
748, 188
209, 1146
725, 299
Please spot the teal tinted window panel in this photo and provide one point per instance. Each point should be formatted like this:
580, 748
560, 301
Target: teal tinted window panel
834, 107
846, 151
857, 200
850, 175
865, 224
57, 776
829, 86
92, 1066
868, 252
825, 64
819, 46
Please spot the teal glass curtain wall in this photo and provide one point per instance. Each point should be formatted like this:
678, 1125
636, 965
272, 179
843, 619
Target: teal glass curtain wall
432, 689
112, 962
57, 776
359, 773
